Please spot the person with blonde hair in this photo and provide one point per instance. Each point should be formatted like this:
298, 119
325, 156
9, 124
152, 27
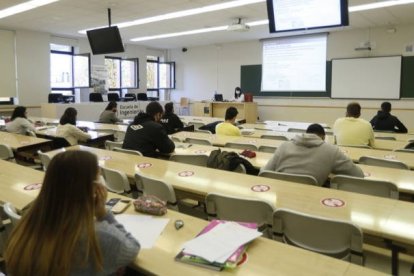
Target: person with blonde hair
67, 230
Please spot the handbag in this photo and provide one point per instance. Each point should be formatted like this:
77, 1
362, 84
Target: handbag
248, 153
150, 204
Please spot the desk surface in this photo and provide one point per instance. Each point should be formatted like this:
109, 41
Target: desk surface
404, 179
21, 142
15, 178
51, 132
221, 140
371, 213
91, 125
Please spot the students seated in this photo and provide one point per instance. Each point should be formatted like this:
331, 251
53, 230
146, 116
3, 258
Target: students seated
309, 154
68, 130
19, 123
238, 95
147, 135
386, 122
228, 126
108, 116
67, 230
352, 130
170, 121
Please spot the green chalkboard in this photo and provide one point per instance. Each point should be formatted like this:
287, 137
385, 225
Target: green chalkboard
251, 78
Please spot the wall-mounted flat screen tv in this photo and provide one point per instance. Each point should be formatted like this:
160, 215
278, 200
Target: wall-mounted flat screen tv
105, 40
293, 15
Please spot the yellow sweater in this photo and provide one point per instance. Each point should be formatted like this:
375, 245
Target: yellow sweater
353, 131
227, 129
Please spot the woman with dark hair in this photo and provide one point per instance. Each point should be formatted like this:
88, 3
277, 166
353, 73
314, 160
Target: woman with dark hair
67, 127
67, 230
19, 123
170, 120
108, 116
238, 95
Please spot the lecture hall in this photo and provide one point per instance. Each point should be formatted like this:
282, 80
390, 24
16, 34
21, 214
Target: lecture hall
208, 137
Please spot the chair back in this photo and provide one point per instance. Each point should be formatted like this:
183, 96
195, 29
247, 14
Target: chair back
242, 146
133, 152
160, 189
142, 97
365, 186
95, 97
338, 239
113, 97
241, 209
11, 212
110, 145
198, 141
275, 137
373, 161
131, 96
297, 178
268, 149
196, 125
6, 152
44, 159
119, 135
299, 130
240, 169
193, 159
116, 181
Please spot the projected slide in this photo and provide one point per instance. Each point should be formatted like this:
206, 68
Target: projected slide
294, 64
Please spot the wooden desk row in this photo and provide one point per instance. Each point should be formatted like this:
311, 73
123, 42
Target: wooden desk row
272, 129
20, 143
379, 217
404, 179
265, 257
221, 140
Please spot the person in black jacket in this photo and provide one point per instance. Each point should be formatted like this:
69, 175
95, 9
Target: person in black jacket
384, 121
170, 121
147, 135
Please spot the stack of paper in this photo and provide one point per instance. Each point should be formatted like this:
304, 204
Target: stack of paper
221, 242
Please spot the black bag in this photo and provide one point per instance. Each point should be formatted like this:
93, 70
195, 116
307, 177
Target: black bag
229, 161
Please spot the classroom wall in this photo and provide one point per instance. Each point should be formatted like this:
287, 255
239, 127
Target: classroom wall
202, 70
33, 65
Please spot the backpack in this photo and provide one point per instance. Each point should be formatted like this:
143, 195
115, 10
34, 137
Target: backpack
228, 161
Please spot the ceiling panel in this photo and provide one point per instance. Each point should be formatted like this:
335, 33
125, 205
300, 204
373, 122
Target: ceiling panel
66, 17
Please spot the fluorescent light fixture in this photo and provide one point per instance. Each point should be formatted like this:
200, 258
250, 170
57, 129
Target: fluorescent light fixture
198, 31
378, 5
179, 14
24, 7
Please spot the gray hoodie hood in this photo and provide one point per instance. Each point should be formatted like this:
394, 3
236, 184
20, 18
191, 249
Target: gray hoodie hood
308, 140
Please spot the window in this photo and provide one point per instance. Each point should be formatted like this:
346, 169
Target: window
68, 70
122, 73
160, 75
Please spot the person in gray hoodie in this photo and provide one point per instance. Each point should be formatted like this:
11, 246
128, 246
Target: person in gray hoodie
308, 154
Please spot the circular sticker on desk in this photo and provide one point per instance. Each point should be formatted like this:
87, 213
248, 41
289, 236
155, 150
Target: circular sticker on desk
367, 174
333, 202
34, 186
186, 173
144, 165
200, 151
104, 158
260, 188
390, 156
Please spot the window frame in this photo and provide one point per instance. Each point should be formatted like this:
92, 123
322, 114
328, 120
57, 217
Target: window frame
120, 89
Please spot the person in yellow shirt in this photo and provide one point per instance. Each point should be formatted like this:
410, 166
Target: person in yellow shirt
352, 130
228, 126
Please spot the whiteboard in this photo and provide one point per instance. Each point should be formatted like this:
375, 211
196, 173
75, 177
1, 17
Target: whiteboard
366, 78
